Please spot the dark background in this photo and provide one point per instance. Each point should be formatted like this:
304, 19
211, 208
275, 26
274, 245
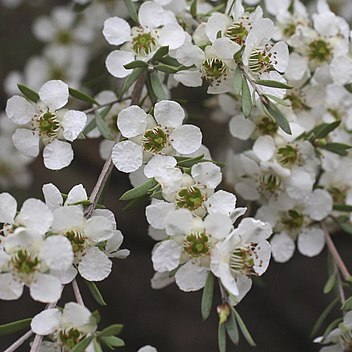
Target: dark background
280, 310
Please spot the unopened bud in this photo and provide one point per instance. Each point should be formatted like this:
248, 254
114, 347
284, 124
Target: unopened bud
224, 311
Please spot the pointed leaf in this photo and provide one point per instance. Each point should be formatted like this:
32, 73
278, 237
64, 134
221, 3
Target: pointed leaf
156, 86
140, 190
278, 100
232, 329
28, 93
130, 79
81, 346
193, 9
189, 162
237, 81
331, 326
243, 328
136, 64
273, 84
103, 127
347, 305
111, 330
160, 53
82, 96
95, 292
322, 130
207, 297
93, 123
131, 10
337, 148
112, 341
222, 338
330, 283
97, 347
323, 316
246, 98
343, 207
344, 224
278, 116
15, 326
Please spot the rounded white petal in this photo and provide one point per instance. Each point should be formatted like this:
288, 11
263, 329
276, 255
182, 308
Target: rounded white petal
10, 288
132, 121
76, 194
191, 277
178, 222
207, 173
186, 139
76, 315
19, 110
57, 155
169, 113
26, 142
282, 247
57, 253
282, 54
156, 162
341, 70
52, 196
54, 94
299, 184
95, 265
216, 22
252, 230
262, 257
46, 322
36, 215
115, 62
8, 208
116, 31
192, 78
264, 148
99, 228
46, 288
227, 279
221, 202
73, 124
172, 35
225, 48
147, 349
218, 225
311, 241
152, 15
319, 204
67, 217
127, 156
166, 256
241, 128
161, 280
157, 212
157, 234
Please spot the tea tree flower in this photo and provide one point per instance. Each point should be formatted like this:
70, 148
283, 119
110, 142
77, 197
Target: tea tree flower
48, 123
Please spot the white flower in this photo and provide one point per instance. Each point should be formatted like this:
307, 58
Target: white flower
49, 123
149, 136
65, 328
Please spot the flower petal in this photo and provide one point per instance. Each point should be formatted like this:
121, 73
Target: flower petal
19, 110
127, 156
46, 322
166, 256
186, 139
46, 288
116, 31
115, 62
54, 94
282, 247
73, 124
8, 208
311, 241
191, 277
132, 121
169, 113
26, 142
57, 155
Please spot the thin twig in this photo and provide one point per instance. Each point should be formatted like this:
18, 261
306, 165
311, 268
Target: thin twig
77, 292
340, 286
335, 254
20, 341
87, 111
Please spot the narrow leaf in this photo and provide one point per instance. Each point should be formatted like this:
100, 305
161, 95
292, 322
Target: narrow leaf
278, 100
160, 53
337, 148
331, 326
207, 297
347, 305
273, 84
330, 283
278, 116
140, 190
246, 98
193, 9
323, 316
156, 86
322, 130
136, 64
97, 347
92, 124
343, 207
95, 292
345, 224
81, 346
111, 330
237, 81
15, 326
82, 96
131, 10
136, 203
131, 79
189, 162
243, 328
168, 68
222, 338
103, 127
113, 341
232, 328
28, 93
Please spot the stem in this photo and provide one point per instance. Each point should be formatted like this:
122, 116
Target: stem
20, 341
335, 254
340, 287
77, 292
87, 111
108, 166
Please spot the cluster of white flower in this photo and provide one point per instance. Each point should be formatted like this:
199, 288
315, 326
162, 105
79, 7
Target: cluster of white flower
283, 84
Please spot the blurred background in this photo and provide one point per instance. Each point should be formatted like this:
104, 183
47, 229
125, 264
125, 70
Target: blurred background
279, 311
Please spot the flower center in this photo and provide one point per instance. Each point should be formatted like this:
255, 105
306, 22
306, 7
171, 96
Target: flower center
297, 102
47, 125
24, 262
269, 184
196, 244
241, 260
155, 140
77, 239
319, 50
292, 219
143, 43
346, 338
338, 194
70, 337
214, 69
190, 198
267, 125
287, 155
237, 33
290, 30
261, 61
64, 37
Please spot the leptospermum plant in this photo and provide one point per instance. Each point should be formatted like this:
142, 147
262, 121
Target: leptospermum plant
282, 79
